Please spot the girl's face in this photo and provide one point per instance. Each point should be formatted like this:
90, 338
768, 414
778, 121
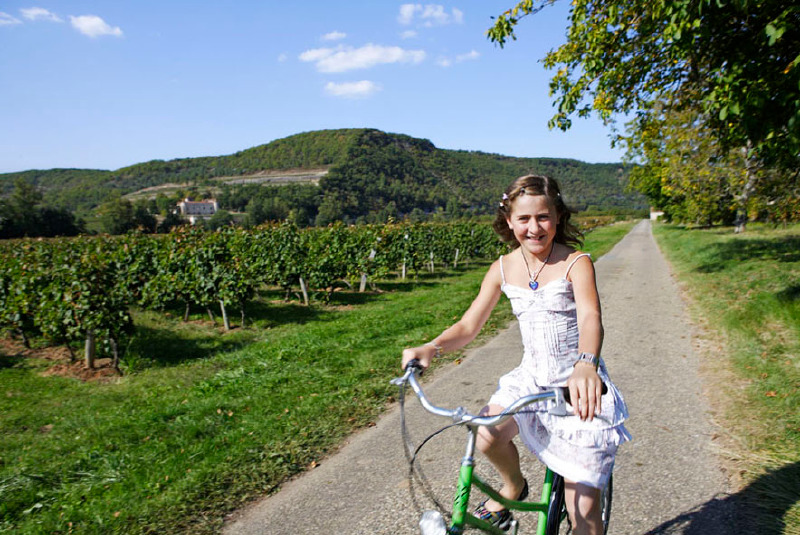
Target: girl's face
533, 219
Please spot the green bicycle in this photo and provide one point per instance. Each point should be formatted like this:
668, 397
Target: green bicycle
551, 507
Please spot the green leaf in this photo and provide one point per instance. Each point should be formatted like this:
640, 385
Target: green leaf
774, 33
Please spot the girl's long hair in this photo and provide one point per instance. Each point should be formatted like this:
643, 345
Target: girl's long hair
566, 232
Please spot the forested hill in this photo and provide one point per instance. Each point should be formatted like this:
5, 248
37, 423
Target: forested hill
77, 189
367, 170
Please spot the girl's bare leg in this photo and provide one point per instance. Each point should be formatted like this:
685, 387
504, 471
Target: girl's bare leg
496, 444
583, 506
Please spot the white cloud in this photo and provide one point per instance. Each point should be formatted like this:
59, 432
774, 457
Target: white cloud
407, 13
316, 54
444, 61
429, 15
334, 36
345, 58
94, 26
471, 55
362, 89
8, 20
282, 57
408, 34
39, 13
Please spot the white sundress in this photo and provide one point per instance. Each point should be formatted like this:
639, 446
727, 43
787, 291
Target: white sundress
580, 451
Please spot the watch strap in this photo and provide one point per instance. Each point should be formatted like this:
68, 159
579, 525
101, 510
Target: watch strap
589, 358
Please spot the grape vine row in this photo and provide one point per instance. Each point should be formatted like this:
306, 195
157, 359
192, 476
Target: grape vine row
82, 289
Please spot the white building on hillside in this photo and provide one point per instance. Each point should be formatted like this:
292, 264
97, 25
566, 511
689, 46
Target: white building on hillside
196, 210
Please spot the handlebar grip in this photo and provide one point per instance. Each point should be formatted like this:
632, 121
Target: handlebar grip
413, 363
565, 390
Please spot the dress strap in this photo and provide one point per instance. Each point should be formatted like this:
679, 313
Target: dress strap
566, 274
502, 275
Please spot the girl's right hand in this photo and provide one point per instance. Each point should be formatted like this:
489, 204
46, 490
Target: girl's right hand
424, 354
586, 391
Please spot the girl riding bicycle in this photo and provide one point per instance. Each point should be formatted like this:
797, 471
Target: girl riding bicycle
553, 292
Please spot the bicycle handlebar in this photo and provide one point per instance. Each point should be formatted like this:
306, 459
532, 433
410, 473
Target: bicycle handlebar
460, 414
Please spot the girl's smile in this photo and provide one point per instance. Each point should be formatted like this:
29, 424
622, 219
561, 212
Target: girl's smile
533, 220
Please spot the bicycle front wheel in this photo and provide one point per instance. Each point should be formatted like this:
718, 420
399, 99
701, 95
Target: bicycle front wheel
605, 498
557, 521
556, 509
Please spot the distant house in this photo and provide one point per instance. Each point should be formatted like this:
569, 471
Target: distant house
196, 210
655, 214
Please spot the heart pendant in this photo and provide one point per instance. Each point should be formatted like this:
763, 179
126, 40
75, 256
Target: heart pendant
533, 285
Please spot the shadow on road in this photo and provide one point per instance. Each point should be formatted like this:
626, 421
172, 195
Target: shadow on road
760, 507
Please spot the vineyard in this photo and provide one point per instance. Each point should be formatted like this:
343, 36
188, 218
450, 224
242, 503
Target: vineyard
80, 291
75, 291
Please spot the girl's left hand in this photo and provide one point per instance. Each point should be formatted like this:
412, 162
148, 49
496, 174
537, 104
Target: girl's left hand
585, 390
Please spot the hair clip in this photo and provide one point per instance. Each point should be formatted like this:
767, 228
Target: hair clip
505, 198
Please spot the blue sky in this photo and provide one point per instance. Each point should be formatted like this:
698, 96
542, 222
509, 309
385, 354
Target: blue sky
105, 84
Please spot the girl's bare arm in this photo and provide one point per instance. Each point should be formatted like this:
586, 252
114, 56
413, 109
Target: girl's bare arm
468, 327
584, 384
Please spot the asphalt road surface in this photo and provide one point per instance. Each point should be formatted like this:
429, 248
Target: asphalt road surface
667, 480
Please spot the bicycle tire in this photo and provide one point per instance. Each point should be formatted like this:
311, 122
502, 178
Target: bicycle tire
605, 507
557, 508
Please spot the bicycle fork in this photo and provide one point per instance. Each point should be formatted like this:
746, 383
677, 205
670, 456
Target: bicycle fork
461, 516
432, 522
461, 500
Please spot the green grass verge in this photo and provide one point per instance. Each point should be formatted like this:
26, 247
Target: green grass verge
205, 420
602, 239
746, 289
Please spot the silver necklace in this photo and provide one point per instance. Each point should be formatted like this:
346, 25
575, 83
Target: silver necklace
533, 284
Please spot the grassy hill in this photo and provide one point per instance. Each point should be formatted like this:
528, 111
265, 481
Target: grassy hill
358, 172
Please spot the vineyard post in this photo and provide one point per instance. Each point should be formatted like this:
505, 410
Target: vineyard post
304, 289
431, 261
89, 350
225, 320
455, 260
363, 285
405, 250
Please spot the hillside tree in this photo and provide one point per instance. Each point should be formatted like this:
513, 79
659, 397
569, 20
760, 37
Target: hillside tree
23, 214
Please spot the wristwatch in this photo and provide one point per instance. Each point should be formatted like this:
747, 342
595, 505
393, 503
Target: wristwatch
589, 358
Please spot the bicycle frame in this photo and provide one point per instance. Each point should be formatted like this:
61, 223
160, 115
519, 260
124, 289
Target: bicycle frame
467, 478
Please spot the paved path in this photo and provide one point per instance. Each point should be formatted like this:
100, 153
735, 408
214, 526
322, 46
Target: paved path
666, 481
